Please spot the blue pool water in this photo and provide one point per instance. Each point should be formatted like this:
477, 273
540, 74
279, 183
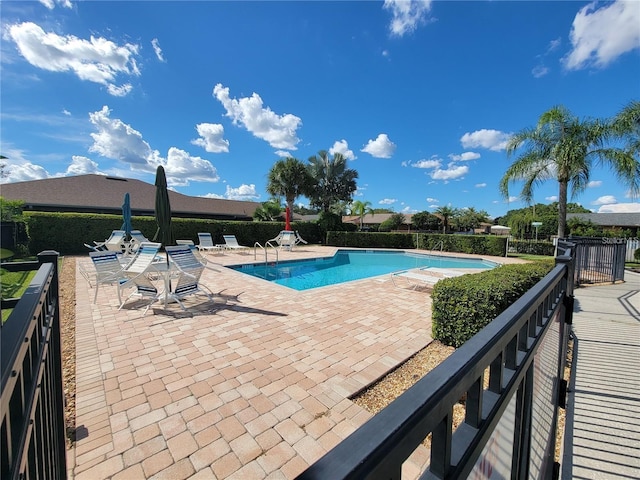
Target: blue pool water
347, 265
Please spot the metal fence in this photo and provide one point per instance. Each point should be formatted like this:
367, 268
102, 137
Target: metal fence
32, 439
510, 421
599, 259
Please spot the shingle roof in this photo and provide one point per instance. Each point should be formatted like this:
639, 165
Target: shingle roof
104, 194
609, 219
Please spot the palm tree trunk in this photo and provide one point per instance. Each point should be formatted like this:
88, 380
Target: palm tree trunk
562, 209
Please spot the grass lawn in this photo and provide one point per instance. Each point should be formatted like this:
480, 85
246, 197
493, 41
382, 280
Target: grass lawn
532, 258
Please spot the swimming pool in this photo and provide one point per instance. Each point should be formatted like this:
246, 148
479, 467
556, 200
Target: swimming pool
348, 265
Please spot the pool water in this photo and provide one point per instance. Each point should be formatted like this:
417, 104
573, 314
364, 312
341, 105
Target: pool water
348, 265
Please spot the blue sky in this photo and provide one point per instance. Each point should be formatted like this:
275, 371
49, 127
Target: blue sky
420, 96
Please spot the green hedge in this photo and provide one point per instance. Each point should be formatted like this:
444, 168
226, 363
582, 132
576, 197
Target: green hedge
67, 233
462, 306
472, 244
532, 247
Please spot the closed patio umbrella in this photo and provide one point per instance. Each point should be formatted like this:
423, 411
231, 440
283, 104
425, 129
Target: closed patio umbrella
126, 216
164, 234
287, 213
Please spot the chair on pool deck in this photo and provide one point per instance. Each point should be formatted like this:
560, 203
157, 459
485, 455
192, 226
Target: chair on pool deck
138, 271
231, 243
299, 239
196, 251
115, 243
206, 243
108, 271
286, 240
189, 271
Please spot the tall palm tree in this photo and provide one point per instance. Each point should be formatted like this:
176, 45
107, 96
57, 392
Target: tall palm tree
626, 125
564, 148
361, 209
445, 212
289, 178
332, 180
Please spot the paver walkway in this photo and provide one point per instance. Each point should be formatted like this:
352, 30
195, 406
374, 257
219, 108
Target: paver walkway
602, 432
256, 387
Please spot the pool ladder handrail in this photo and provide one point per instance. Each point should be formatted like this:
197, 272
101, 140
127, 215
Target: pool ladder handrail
266, 254
441, 243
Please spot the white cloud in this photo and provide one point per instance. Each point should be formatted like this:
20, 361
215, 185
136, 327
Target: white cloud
82, 166
450, 173
181, 168
552, 198
594, 183
492, 139
481, 185
605, 200
282, 153
620, 208
157, 50
243, 192
406, 15
513, 199
433, 162
432, 200
381, 147
341, 146
600, 35
278, 130
115, 139
211, 138
539, 71
434, 206
22, 172
119, 91
464, 157
212, 195
96, 60
50, 4
388, 201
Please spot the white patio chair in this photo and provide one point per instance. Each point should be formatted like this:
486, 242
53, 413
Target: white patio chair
206, 243
196, 252
285, 240
231, 243
138, 272
108, 271
189, 270
115, 243
299, 239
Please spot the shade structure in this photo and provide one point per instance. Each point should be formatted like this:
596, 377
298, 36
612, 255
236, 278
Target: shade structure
164, 233
126, 216
287, 221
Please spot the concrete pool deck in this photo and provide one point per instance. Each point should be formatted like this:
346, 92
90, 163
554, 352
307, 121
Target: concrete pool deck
255, 386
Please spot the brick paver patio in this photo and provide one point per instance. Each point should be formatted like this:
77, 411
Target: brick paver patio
255, 386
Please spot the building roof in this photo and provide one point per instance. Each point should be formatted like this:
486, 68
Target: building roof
375, 218
609, 219
105, 194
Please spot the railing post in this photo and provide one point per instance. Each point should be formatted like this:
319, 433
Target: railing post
55, 357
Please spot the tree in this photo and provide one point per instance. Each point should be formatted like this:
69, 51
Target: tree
425, 221
289, 178
392, 223
269, 211
564, 148
332, 181
361, 209
445, 213
469, 218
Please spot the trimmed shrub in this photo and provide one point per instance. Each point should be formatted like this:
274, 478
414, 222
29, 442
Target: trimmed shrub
370, 240
636, 255
462, 306
532, 247
472, 244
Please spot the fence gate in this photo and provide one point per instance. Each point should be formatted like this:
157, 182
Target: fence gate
599, 259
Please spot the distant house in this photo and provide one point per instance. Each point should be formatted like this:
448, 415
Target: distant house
105, 194
372, 221
622, 221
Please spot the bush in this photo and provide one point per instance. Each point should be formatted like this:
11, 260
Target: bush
532, 247
370, 240
472, 244
636, 255
462, 306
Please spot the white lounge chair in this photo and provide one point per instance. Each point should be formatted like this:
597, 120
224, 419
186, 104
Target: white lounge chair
136, 239
115, 243
285, 240
189, 271
138, 271
206, 244
196, 251
299, 239
231, 243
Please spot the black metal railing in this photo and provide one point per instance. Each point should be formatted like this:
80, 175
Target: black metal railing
510, 421
32, 439
599, 259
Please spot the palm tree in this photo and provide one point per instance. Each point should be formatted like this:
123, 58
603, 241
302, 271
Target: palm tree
626, 125
332, 180
361, 209
289, 178
563, 147
445, 212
